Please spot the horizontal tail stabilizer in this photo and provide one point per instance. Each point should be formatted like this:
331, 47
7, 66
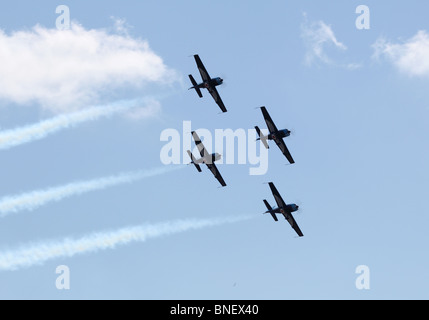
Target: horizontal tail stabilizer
193, 161
270, 210
195, 86
262, 137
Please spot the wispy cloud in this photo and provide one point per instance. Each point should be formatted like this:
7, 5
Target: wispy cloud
64, 70
152, 107
410, 57
318, 37
18, 136
38, 253
35, 199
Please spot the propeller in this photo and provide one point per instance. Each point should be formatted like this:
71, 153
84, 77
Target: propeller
300, 209
225, 82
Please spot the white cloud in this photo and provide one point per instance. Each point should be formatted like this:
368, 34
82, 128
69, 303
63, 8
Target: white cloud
63, 70
318, 37
120, 25
151, 108
410, 57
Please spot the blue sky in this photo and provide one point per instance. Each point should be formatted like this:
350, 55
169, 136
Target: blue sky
359, 142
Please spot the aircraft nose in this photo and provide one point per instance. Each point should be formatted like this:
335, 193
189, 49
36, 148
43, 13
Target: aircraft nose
297, 207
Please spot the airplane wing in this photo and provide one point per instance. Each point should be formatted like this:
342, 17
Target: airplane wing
199, 144
270, 123
204, 74
277, 196
216, 97
288, 216
282, 145
216, 173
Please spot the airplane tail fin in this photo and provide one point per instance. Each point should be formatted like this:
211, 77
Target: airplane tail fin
262, 137
195, 86
193, 161
270, 210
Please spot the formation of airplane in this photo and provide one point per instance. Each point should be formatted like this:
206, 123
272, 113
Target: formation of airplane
274, 134
208, 83
206, 158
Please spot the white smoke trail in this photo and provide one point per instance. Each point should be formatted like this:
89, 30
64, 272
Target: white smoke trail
14, 137
34, 199
36, 254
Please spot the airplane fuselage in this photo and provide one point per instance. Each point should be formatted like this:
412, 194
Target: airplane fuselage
212, 83
288, 209
292, 207
209, 159
279, 134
